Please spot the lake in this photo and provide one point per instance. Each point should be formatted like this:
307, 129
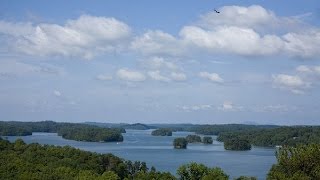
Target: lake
158, 151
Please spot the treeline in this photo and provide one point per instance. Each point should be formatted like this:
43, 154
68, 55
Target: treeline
220, 128
73, 131
285, 136
162, 132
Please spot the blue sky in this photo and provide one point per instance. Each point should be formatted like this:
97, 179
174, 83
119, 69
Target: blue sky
160, 62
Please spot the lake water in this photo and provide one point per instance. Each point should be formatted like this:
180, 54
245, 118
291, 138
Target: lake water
158, 151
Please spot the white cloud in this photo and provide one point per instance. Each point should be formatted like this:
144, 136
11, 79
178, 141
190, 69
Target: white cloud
303, 69
195, 107
255, 17
104, 77
237, 30
57, 93
155, 75
84, 37
214, 77
158, 43
178, 76
291, 82
227, 106
231, 40
129, 75
157, 63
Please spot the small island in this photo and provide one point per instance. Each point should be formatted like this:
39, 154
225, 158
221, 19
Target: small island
180, 143
193, 139
207, 140
72, 131
162, 132
237, 144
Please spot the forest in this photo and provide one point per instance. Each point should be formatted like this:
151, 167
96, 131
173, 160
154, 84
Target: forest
73, 131
162, 132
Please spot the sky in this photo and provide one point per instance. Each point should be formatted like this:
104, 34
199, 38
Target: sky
160, 61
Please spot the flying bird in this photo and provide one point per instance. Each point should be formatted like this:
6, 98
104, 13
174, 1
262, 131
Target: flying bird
216, 11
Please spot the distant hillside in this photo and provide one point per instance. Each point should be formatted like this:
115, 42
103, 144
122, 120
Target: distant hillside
138, 126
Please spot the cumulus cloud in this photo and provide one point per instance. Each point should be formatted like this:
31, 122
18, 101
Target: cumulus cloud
237, 30
157, 63
214, 77
130, 75
178, 76
291, 82
103, 77
155, 75
84, 37
158, 43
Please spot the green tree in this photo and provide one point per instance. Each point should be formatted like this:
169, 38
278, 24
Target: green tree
180, 143
302, 162
194, 171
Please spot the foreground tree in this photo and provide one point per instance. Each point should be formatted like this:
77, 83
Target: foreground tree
302, 162
180, 143
194, 171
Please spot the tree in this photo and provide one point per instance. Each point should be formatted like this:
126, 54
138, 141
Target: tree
302, 162
207, 140
180, 143
193, 139
237, 144
162, 132
194, 171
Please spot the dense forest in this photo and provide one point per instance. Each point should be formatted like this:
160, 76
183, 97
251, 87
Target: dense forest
73, 131
207, 140
262, 135
237, 144
285, 136
162, 132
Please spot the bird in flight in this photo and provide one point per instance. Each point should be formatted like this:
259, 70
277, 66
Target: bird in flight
216, 11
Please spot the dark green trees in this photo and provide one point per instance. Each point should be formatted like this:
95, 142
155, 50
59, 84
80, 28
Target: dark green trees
194, 171
180, 143
207, 140
162, 132
193, 139
237, 144
302, 162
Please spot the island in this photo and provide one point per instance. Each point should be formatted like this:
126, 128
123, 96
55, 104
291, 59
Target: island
193, 139
180, 143
237, 144
72, 131
207, 140
162, 132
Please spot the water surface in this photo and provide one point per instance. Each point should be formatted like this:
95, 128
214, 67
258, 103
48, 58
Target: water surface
158, 151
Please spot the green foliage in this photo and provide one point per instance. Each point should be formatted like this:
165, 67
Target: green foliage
295, 163
207, 140
237, 144
162, 132
35, 161
79, 132
193, 139
194, 171
180, 143
287, 136
245, 178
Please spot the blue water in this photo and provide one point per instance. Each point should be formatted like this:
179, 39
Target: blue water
158, 151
